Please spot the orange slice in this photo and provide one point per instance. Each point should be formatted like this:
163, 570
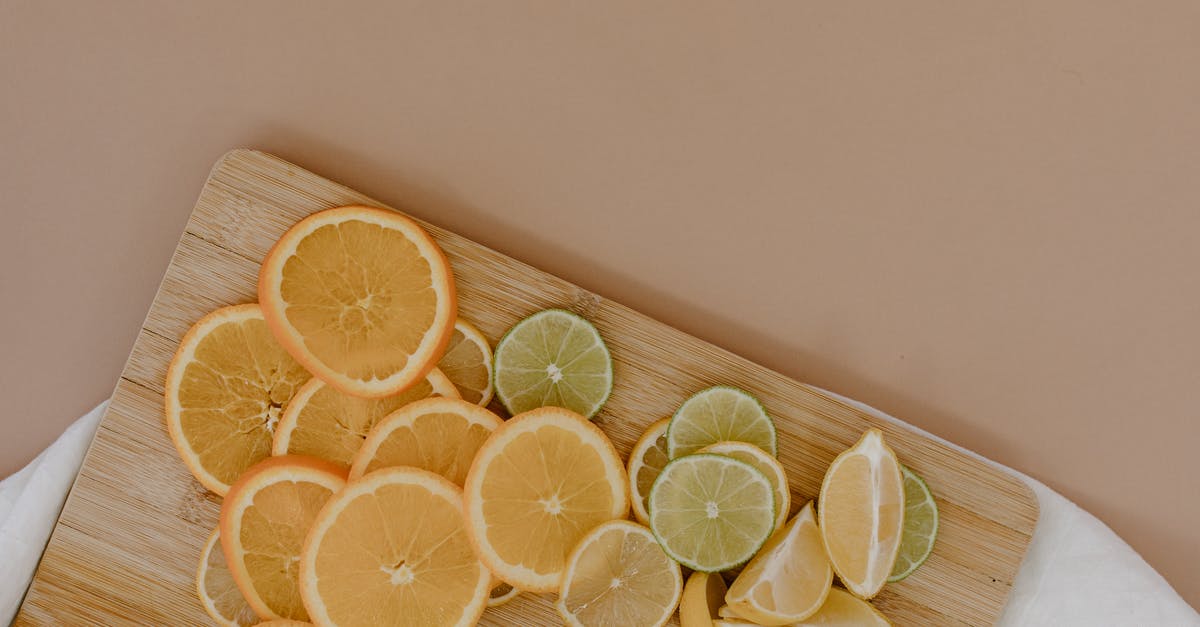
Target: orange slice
264, 521
646, 460
226, 387
468, 363
861, 514
218, 591
538, 484
362, 297
324, 422
393, 547
440, 435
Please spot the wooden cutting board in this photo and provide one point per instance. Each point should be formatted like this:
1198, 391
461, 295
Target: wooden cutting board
125, 549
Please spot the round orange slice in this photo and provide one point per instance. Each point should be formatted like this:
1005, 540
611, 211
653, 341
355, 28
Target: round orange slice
264, 521
538, 484
226, 387
646, 460
468, 363
440, 435
325, 422
393, 548
218, 591
363, 297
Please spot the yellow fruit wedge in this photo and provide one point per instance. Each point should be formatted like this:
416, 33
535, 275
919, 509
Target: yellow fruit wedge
392, 548
322, 421
226, 388
264, 521
842, 609
440, 435
789, 578
362, 297
618, 576
468, 363
646, 460
702, 598
218, 592
861, 514
538, 484
765, 463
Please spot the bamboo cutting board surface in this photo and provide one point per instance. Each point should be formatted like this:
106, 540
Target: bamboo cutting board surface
125, 549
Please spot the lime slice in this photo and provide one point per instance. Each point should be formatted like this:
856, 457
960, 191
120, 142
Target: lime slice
719, 414
711, 512
920, 526
553, 358
764, 463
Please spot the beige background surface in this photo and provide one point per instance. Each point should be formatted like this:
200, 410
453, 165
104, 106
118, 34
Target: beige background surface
980, 217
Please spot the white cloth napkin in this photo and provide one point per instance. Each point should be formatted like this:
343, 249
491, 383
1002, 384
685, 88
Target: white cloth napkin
1077, 571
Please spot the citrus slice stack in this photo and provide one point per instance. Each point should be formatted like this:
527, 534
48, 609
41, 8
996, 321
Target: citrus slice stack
702, 598
362, 297
264, 521
440, 435
392, 548
789, 578
538, 484
218, 591
861, 514
226, 388
617, 576
468, 363
711, 512
646, 460
764, 463
324, 422
553, 358
920, 526
719, 414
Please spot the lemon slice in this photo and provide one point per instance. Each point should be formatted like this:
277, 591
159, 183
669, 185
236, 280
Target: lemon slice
842, 609
719, 414
711, 512
553, 358
861, 514
920, 526
764, 463
218, 591
789, 578
468, 363
646, 460
618, 575
702, 597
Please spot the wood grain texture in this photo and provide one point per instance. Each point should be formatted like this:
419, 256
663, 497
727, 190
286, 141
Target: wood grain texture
126, 545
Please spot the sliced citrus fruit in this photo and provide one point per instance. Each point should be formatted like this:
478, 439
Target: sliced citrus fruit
861, 514
711, 512
618, 575
789, 578
501, 594
538, 484
325, 422
719, 414
468, 363
225, 389
440, 435
646, 460
362, 297
553, 358
766, 464
920, 526
218, 591
732, 622
727, 612
284, 623
702, 598
264, 520
842, 609
393, 548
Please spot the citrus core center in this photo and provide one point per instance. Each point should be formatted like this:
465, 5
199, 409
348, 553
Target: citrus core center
552, 505
554, 372
711, 510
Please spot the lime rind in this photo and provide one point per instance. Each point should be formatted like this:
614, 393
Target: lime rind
920, 526
753, 506
534, 382
761, 420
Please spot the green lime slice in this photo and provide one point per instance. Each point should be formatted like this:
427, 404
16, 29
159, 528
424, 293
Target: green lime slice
920, 526
711, 512
719, 414
553, 358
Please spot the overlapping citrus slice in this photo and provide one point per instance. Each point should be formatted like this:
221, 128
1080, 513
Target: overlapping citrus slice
618, 576
325, 422
392, 548
646, 460
861, 514
553, 358
719, 414
363, 297
264, 521
538, 484
218, 592
468, 363
440, 435
920, 526
764, 463
702, 598
788, 579
226, 388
